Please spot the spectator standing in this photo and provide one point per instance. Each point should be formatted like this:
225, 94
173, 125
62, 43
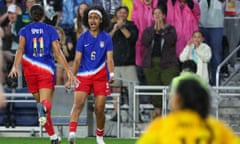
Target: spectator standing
184, 16
124, 35
11, 37
211, 24
4, 12
79, 27
159, 61
142, 17
24, 18
199, 52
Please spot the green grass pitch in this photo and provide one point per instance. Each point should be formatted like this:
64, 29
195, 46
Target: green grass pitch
21, 140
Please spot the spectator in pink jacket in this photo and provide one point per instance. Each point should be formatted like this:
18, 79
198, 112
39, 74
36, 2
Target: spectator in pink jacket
184, 15
142, 17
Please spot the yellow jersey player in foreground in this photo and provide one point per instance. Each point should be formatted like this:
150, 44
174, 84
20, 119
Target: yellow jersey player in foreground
189, 122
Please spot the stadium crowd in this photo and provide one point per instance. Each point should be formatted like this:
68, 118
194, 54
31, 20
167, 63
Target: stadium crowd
186, 16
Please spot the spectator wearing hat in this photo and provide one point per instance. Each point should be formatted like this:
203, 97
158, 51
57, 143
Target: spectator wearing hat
10, 40
3, 12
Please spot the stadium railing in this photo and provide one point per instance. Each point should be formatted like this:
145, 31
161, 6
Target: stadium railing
225, 105
20, 112
23, 111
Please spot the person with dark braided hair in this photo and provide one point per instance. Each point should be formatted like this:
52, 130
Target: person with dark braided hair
189, 122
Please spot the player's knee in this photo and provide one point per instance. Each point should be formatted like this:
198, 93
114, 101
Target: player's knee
99, 110
78, 106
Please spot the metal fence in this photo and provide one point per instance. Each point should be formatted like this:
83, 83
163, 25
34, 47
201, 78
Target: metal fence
62, 104
222, 100
226, 105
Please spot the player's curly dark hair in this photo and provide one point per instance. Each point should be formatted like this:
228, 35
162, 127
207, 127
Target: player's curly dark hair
194, 96
36, 12
105, 19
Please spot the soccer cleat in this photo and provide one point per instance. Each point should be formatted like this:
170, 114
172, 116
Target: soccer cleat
71, 139
41, 114
56, 141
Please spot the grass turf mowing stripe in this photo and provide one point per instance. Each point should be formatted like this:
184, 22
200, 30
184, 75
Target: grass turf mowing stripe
37, 140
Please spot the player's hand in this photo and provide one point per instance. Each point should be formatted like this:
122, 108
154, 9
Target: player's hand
72, 83
14, 72
68, 84
115, 27
111, 77
75, 81
72, 80
111, 80
190, 42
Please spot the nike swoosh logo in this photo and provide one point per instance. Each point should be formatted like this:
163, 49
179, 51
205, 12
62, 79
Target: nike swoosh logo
86, 45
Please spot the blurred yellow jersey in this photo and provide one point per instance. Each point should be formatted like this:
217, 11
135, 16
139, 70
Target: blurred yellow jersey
186, 127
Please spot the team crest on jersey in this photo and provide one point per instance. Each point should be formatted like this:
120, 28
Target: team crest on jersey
101, 44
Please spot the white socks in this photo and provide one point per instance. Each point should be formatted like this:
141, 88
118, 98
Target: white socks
100, 140
53, 137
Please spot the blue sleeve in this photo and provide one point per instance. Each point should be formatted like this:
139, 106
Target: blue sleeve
53, 34
79, 46
22, 32
109, 43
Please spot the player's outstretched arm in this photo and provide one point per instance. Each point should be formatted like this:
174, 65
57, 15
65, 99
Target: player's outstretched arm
110, 64
76, 64
2, 98
18, 56
61, 59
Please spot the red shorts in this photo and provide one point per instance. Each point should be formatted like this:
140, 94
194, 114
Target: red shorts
98, 82
38, 81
